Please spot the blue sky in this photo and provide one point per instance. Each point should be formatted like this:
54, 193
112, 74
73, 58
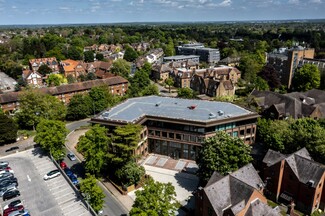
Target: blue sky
112, 11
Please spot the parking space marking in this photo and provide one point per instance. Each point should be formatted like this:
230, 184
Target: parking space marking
29, 178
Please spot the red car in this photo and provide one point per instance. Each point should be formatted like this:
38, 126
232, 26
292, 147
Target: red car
63, 165
11, 209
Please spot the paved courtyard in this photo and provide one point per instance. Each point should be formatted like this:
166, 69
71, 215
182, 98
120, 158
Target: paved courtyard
164, 169
52, 197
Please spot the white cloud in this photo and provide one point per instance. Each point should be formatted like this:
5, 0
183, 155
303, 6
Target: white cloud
293, 1
225, 3
316, 1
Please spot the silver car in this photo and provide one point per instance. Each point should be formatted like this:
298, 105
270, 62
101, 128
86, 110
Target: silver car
19, 212
9, 188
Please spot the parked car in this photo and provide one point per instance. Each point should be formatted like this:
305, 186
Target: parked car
52, 174
63, 165
8, 184
5, 189
4, 166
5, 171
12, 148
74, 179
12, 209
9, 180
13, 203
68, 172
10, 194
23, 212
4, 163
6, 175
71, 156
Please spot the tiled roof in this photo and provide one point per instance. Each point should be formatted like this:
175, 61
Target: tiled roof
63, 89
258, 208
234, 190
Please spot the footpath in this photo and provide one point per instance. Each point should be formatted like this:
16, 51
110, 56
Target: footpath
71, 142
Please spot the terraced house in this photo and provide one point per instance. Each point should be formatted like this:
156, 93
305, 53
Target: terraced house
177, 127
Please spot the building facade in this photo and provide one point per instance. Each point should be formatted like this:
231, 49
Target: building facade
51, 62
295, 178
182, 58
177, 127
208, 55
117, 85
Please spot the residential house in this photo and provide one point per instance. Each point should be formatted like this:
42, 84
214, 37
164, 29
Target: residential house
230, 61
7, 84
93, 48
32, 78
238, 194
117, 86
295, 178
161, 72
218, 81
154, 55
100, 68
51, 62
72, 68
140, 47
296, 104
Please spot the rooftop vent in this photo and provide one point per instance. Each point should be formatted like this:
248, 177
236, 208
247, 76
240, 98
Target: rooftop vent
192, 107
221, 113
310, 183
212, 115
158, 103
105, 115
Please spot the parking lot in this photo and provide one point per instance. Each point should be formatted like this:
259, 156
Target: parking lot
51, 197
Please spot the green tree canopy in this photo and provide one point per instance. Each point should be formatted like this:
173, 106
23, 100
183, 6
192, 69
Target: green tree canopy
34, 105
306, 78
93, 193
156, 199
186, 93
151, 89
130, 54
99, 96
122, 68
44, 69
129, 174
50, 134
94, 147
269, 74
170, 82
125, 141
89, 56
222, 153
138, 83
99, 57
56, 80
79, 107
8, 129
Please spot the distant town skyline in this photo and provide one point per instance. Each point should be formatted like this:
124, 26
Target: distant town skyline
13, 12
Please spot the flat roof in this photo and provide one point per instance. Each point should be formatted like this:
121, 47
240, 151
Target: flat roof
178, 57
132, 110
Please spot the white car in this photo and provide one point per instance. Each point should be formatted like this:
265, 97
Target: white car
4, 163
52, 174
7, 171
71, 156
19, 212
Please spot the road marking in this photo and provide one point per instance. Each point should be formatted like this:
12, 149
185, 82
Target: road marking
28, 178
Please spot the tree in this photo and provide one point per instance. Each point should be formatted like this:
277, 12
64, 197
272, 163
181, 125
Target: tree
91, 76
222, 153
99, 57
170, 82
129, 174
186, 93
138, 83
269, 74
122, 68
89, 56
261, 84
92, 192
94, 147
56, 79
8, 129
71, 79
125, 141
44, 69
155, 199
79, 107
147, 68
34, 105
99, 98
306, 78
75, 53
152, 89
130, 54
51, 134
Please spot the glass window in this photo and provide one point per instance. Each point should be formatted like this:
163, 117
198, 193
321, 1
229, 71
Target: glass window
171, 135
164, 148
242, 132
151, 132
193, 138
185, 151
178, 136
157, 133
248, 130
164, 134
186, 137
192, 152
235, 134
229, 126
